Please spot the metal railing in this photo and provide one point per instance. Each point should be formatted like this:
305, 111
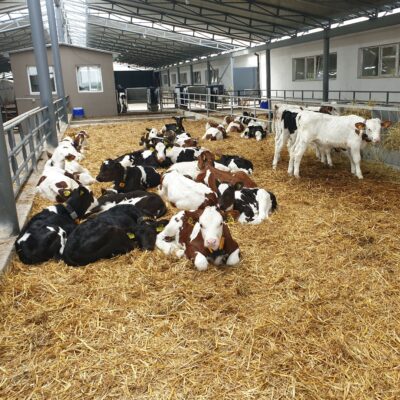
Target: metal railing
26, 135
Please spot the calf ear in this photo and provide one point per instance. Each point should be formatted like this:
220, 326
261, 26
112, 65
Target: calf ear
360, 125
386, 124
238, 186
148, 129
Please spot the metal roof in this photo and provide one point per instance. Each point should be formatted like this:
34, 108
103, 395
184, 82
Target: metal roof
156, 33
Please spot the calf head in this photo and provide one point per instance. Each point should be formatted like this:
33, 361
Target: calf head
211, 227
169, 137
80, 140
370, 130
206, 159
146, 230
226, 195
110, 170
180, 127
80, 200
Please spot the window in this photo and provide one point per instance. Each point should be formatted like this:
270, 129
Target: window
183, 78
311, 68
89, 78
214, 75
196, 77
165, 80
379, 61
34, 80
173, 79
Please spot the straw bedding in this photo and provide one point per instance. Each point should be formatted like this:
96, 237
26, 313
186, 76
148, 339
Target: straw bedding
311, 312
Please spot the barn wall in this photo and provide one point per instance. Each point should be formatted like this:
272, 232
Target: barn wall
95, 103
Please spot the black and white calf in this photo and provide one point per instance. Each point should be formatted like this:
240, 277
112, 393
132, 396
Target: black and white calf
139, 157
235, 163
254, 130
127, 179
113, 232
44, 236
176, 154
150, 203
253, 204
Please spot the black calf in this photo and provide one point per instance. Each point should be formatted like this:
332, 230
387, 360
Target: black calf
45, 234
116, 231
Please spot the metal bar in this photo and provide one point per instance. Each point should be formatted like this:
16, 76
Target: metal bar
191, 74
208, 72
8, 212
325, 67
178, 75
59, 21
55, 51
39, 46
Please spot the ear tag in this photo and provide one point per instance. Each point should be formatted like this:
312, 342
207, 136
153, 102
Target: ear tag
121, 184
81, 193
131, 235
190, 221
159, 228
217, 157
221, 243
151, 148
67, 193
230, 219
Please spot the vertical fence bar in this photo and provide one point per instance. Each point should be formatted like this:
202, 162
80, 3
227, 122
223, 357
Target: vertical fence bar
8, 211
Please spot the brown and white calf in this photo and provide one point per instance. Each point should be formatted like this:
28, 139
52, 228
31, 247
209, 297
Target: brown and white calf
202, 236
214, 131
212, 176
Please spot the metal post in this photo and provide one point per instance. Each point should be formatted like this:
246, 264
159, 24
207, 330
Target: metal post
325, 76
191, 75
39, 47
55, 51
178, 75
268, 79
8, 213
169, 78
59, 21
208, 73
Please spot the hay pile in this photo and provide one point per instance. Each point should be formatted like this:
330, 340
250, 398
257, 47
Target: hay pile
311, 312
391, 140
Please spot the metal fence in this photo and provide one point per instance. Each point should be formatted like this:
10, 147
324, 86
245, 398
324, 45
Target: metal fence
26, 135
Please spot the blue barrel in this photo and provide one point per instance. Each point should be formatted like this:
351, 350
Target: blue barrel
78, 112
264, 105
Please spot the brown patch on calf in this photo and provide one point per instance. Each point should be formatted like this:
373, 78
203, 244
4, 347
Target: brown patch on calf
42, 178
62, 184
190, 143
70, 157
326, 109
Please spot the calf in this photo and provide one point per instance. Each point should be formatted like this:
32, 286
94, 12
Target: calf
184, 193
150, 203
334, 131
191, 169
113, 232
256, 131
246, 118
139, 157
212, 177
214, 131
44, 236
127, 179
185, 140
177, 127
254, 205
235, 127
202, 236
80, 141
228, 119
235, 163
175, 154
55, 184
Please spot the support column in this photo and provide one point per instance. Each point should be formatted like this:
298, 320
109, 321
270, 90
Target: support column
42, 66
325, 66
59, 21
178, 75
169, 78
268, 72
191, 75
55, 51
8, 213
208, 72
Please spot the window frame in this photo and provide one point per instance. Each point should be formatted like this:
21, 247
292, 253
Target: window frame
315, 70
31, 92
198, 74
101, 78
214, 76
380, 59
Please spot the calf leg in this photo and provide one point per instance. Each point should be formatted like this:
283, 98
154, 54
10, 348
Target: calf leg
280, 140
234, 258
355, 155
298, 155
200, 262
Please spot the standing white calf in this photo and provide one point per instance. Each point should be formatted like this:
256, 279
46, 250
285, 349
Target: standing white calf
329, 131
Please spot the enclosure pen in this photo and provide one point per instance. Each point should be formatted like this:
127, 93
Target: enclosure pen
312, 311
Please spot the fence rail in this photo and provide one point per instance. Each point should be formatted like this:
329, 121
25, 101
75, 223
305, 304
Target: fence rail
26, 135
